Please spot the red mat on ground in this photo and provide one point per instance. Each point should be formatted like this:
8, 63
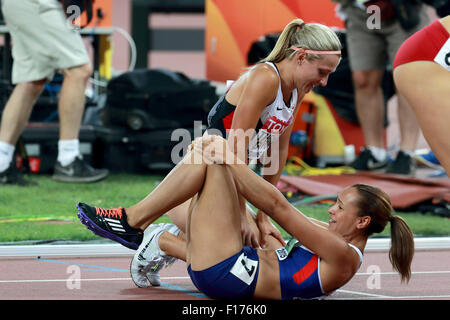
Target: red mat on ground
404, 191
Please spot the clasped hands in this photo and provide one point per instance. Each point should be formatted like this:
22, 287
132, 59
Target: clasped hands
214, 149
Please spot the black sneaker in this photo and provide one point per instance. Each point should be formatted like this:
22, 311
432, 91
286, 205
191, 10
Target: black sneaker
366, 161
111, 224
78, 171
15, 177
403, 164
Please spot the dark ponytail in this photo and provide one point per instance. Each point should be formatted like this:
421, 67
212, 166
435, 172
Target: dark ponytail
375, 203
402, 247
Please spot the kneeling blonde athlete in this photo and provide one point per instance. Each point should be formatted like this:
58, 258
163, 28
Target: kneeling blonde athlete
222, 267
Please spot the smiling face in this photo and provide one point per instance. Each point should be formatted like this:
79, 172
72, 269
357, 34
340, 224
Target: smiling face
311, 73
344, 218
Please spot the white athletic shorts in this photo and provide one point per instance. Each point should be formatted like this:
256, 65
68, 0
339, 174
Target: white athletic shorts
42, 39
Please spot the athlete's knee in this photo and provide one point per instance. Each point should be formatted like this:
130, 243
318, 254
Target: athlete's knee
368, 80
218, 173
215, 169
79, 73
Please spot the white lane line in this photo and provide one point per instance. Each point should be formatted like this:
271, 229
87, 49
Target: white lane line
422, 297
97, 250
363, 293
396, 273
62, 280
85, 279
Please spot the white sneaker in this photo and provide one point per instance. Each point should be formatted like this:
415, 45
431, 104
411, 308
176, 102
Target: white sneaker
149, 259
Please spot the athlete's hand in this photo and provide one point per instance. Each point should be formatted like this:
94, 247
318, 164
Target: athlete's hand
266, 229
215, 149
249, 238
194, 146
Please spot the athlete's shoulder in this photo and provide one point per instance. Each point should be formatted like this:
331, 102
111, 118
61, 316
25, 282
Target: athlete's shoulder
263, 75
264, 70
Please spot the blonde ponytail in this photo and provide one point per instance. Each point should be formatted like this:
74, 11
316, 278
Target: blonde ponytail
312, 36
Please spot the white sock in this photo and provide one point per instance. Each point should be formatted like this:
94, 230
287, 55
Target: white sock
379, 154
6, 155
68, 150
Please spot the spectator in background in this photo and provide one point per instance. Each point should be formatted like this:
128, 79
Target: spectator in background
43, 42
369, 47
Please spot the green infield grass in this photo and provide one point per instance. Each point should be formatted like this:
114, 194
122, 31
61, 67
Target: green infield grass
47, 212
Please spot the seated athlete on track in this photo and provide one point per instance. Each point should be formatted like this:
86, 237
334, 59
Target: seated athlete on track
222, 267
421, 74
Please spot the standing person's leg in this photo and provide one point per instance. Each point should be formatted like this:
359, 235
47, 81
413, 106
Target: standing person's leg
409, 135
369, 103
370, 108
65, 50
367, 57
70, 167
15, 117
430, 101
18, 110
27, 75
408, 125
72, 100
70, 111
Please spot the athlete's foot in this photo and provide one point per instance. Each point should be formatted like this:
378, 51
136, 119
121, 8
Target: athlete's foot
149, 259
111, 224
